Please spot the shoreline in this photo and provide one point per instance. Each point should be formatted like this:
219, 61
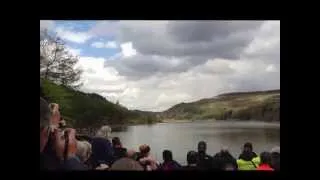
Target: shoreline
189, 121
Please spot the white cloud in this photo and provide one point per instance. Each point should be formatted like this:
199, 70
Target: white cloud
73, 36
74, 51
271, 68
109, 44
258, 68
46, 24
127, 49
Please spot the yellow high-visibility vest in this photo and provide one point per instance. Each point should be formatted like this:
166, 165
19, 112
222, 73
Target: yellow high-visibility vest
248, 165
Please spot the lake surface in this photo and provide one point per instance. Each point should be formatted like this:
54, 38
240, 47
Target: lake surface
183, 137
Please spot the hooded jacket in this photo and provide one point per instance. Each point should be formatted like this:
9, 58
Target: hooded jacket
248, 161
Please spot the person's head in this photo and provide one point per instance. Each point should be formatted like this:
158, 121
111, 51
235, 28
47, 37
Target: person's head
84, 150
265, 158
247, 147
144, 150
192, 157
104, 132
132, 154
116, 142
224, 151
126, 164
202, 147
167, 155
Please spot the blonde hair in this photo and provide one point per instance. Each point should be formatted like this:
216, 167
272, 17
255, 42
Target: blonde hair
104, 132
84, 150
53, 107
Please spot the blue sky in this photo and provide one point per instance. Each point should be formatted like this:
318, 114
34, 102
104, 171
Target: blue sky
153, 65
71, 32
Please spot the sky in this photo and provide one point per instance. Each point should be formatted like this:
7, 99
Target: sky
153, 65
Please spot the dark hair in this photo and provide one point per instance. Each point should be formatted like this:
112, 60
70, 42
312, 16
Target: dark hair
144, 149
116, 141
192, 157
265, 158
202, 146
167, 155
248, 145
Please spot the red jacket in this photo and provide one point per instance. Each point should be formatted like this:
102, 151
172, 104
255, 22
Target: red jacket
264, 167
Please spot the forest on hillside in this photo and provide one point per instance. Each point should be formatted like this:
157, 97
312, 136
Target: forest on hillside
60, 82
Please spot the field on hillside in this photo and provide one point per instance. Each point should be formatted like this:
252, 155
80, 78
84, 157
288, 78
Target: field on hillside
244, 106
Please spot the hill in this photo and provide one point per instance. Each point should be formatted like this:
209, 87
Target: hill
81, 109
260, 105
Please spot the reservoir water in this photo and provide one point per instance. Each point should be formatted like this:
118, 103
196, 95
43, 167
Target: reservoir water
181, 137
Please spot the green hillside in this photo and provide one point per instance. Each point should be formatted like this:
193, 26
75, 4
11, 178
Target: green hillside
81, 109
263, 105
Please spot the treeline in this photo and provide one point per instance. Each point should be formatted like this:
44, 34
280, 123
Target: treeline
60, 80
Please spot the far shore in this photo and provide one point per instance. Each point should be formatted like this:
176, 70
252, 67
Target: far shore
184, 120
189, 120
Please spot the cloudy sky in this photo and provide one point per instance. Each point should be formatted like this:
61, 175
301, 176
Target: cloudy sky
153, 65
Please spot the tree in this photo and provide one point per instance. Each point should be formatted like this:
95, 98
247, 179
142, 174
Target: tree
56, 63
67, 74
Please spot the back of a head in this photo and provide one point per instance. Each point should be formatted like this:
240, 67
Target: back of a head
144, 149
116, 141
202, 147
265, 158
247, 147
225, 152
224, 149
192, 157
167, 155
44, 113
104, 132
126, 164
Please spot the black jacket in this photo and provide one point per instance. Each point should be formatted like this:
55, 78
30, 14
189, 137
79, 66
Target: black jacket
171, 165
204, 161
222, 160
275, 161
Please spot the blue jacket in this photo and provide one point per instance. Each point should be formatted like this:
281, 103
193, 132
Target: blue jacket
102, 151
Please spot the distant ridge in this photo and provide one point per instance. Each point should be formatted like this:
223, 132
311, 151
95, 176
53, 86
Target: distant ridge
256, 105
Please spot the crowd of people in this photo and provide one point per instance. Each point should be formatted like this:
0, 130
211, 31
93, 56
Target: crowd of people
61, 150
